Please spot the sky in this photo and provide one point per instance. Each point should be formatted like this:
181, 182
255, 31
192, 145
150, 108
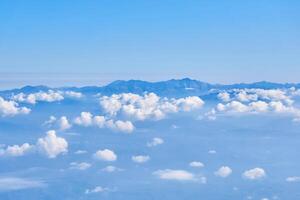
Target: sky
94, 42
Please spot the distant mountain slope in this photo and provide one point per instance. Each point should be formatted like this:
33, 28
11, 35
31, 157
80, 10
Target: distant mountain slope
173, 87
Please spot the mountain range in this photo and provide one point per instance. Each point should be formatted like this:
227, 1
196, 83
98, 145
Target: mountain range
173, 87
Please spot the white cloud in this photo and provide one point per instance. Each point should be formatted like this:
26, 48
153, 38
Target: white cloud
87, 119
16, 150
140, 159
51, 145
212, 151
105, 155
80, 166
123, 126
254, 174
244, 97
223, 171
233, 106
64, 123
73, 94
224, 96
49, 96
293, 179
259, 101
148, 106
259, 106
50, 121
178, 175
196, 164
97, 189
189, 103
14, 183
80, 152
155, 141
11, 108
111, 168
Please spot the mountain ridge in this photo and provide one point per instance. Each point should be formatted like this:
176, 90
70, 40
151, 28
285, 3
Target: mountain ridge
185, 86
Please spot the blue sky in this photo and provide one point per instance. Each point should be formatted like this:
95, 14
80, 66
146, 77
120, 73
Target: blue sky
215, 41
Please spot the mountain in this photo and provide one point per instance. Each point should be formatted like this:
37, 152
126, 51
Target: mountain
168, 88
173, 87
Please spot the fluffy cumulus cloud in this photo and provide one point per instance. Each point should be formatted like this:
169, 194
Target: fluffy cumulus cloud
11, 108
246, 95
80, 166
62, 123
148, 106
257, 101
177, 175
16, 150
224, 96
52, 145
223, 172
87, 119
140, 159
105, 155
49, 96
155, 141
254, 174
196, 164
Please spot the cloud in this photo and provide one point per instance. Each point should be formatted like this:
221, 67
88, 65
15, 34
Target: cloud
111, 168
148, 106
196, 164
223, 172
256, 101
50, 121
105, 155
140, 159
73, 94
11, 108
123, 126
155, 141
80, 152
177, 175
14, 183
224, 96
212, 151
49, 96
244, 97
293, 179
51, 145
64, 123
80, 166
233, 106
254, 174
87, 119
16, 150
97, 189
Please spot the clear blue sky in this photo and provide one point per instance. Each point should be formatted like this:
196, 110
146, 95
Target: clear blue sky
221, 41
